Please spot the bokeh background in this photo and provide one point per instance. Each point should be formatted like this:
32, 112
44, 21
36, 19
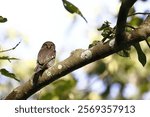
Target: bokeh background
35, 21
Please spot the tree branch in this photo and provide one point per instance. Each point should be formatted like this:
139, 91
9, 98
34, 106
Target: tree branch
121, 22
138, 13
77, 59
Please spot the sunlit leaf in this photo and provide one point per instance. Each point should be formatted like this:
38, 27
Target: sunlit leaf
141, 54
2, 19
135, 21
72, 8
8, 74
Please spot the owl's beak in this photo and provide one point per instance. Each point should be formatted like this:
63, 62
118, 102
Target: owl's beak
49, 46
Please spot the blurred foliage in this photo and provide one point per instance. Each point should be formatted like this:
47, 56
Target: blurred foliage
113, 77
61, 89
9, 78
7, 58
3, 71
125, 72
3, 19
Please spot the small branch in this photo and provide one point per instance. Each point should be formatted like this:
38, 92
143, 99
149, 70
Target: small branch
11, 48
130, 26
78, 59
138, 14
121, 22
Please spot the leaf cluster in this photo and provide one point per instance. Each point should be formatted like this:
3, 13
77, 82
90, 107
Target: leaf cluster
3, 71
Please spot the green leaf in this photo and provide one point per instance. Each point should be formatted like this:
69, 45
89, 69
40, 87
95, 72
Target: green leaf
140, 53
8, 58
106, 24
2, 19
101, 67
136, 21
107, 31
8, 74
124, 53
72, 8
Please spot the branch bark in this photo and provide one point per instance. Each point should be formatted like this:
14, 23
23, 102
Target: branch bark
121, 21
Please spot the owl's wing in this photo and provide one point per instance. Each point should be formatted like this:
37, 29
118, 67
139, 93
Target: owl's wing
45, 56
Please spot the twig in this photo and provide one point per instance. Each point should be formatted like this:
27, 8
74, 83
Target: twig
138, 14
129, 26
11, 48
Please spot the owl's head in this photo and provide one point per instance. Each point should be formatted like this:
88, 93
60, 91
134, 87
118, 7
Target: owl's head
49, 45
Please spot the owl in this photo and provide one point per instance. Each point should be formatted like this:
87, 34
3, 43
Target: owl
46, 56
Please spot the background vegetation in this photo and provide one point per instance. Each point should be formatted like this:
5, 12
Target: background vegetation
114, 77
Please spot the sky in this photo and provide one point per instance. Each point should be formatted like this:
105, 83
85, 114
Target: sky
37, 21
40, 20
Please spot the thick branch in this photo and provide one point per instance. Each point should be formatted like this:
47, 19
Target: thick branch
121, 22
77, 59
